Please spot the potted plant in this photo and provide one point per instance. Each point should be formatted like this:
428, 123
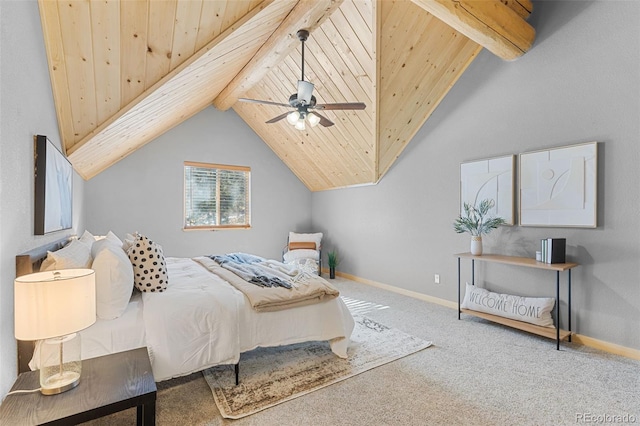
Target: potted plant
333, 262
476, 222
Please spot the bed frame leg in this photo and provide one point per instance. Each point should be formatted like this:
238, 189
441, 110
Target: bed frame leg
237, 369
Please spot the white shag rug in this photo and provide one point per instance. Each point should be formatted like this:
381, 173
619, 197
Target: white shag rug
270, 376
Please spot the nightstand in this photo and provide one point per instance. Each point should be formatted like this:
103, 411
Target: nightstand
108, 384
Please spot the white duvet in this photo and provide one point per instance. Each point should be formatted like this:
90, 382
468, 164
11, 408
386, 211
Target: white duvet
193, 324
201, 321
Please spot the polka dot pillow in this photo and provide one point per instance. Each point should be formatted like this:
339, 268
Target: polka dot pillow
149, 267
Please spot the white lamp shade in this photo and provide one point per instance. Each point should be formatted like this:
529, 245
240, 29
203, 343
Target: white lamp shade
313, 119
54, 303
300, 124
293, 117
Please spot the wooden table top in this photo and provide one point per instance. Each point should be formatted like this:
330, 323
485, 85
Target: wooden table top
117, 381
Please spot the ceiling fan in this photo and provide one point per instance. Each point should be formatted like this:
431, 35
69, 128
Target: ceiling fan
304, 103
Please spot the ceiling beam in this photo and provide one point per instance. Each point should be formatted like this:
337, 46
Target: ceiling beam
307, 14
185, 91
495, 26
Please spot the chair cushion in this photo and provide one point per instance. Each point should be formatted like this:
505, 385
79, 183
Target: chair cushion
292, 255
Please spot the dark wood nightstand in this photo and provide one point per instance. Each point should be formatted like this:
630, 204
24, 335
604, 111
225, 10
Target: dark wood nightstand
108, 384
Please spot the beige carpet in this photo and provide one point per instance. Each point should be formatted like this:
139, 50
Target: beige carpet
270, 376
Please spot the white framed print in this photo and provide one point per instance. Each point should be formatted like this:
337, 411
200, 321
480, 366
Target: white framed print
558, 186
493, 179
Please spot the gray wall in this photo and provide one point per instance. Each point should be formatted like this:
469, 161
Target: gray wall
579, 83
144, 191
26, 109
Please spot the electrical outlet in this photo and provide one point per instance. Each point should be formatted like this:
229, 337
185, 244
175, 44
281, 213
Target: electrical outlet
436, 278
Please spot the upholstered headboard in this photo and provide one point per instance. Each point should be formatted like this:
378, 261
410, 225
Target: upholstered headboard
27, 263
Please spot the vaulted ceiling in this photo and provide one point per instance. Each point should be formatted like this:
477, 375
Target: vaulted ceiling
124, 72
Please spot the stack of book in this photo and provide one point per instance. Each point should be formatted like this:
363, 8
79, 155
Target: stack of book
553, 250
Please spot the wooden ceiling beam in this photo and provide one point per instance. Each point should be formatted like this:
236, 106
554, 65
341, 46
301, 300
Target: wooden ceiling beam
307, 14
495, 26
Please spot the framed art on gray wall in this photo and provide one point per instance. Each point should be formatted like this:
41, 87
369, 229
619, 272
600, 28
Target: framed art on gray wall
558, 186
492, 179
53, 188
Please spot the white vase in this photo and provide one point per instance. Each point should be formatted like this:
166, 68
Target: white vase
476, 245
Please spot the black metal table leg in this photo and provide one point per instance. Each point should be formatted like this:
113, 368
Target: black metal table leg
458, 288
558, 310
473, 272
569, 301
237, 370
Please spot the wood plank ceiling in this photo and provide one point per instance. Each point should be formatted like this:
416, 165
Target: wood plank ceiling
124, 72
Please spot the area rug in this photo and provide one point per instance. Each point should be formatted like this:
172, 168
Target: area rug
271, 376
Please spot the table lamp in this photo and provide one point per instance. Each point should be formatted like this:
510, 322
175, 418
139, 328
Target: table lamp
53, 306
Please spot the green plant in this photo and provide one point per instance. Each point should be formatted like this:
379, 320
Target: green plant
474, 220
332, 256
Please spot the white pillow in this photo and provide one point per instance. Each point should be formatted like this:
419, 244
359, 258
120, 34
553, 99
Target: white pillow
99, 244
87, 238
295, 237
534, 310
113, 238
292, 255
128, 242
114, 279
74, 255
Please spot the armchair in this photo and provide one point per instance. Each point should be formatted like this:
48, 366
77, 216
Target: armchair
302, 249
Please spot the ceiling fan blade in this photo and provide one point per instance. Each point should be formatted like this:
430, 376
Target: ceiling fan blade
324, 121
256, 101
305, 90
278, 118
346, 105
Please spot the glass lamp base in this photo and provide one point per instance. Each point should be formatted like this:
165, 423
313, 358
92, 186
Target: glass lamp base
59, 383
60, 364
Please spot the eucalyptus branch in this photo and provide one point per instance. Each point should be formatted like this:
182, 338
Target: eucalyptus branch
474, 222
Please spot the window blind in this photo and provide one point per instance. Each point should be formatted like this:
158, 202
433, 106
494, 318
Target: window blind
216, 196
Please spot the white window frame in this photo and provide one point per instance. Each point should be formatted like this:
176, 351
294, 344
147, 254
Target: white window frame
247, 197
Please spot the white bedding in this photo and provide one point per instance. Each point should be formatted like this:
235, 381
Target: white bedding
109, 336
193, 324
201, 321
120, 334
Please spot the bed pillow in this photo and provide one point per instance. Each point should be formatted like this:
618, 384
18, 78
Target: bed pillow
114, 279
87, 238
534, 310
113, 238
149, 267
129, 239
72, 256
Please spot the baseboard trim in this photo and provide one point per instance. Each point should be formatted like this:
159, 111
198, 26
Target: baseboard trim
410, 293
606, 346
577, 338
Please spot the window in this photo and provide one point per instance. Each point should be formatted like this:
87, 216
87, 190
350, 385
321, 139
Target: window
216, 196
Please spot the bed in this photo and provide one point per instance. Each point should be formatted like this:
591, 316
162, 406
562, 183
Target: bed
200, 320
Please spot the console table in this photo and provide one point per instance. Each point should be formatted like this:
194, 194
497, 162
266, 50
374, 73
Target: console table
556, 334
108, 384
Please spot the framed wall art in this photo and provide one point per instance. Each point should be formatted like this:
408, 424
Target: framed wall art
53, 188
491, 178
558, 186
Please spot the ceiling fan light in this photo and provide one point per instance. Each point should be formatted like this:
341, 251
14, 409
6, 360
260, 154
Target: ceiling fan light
293, 117
313, 119
300, 124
